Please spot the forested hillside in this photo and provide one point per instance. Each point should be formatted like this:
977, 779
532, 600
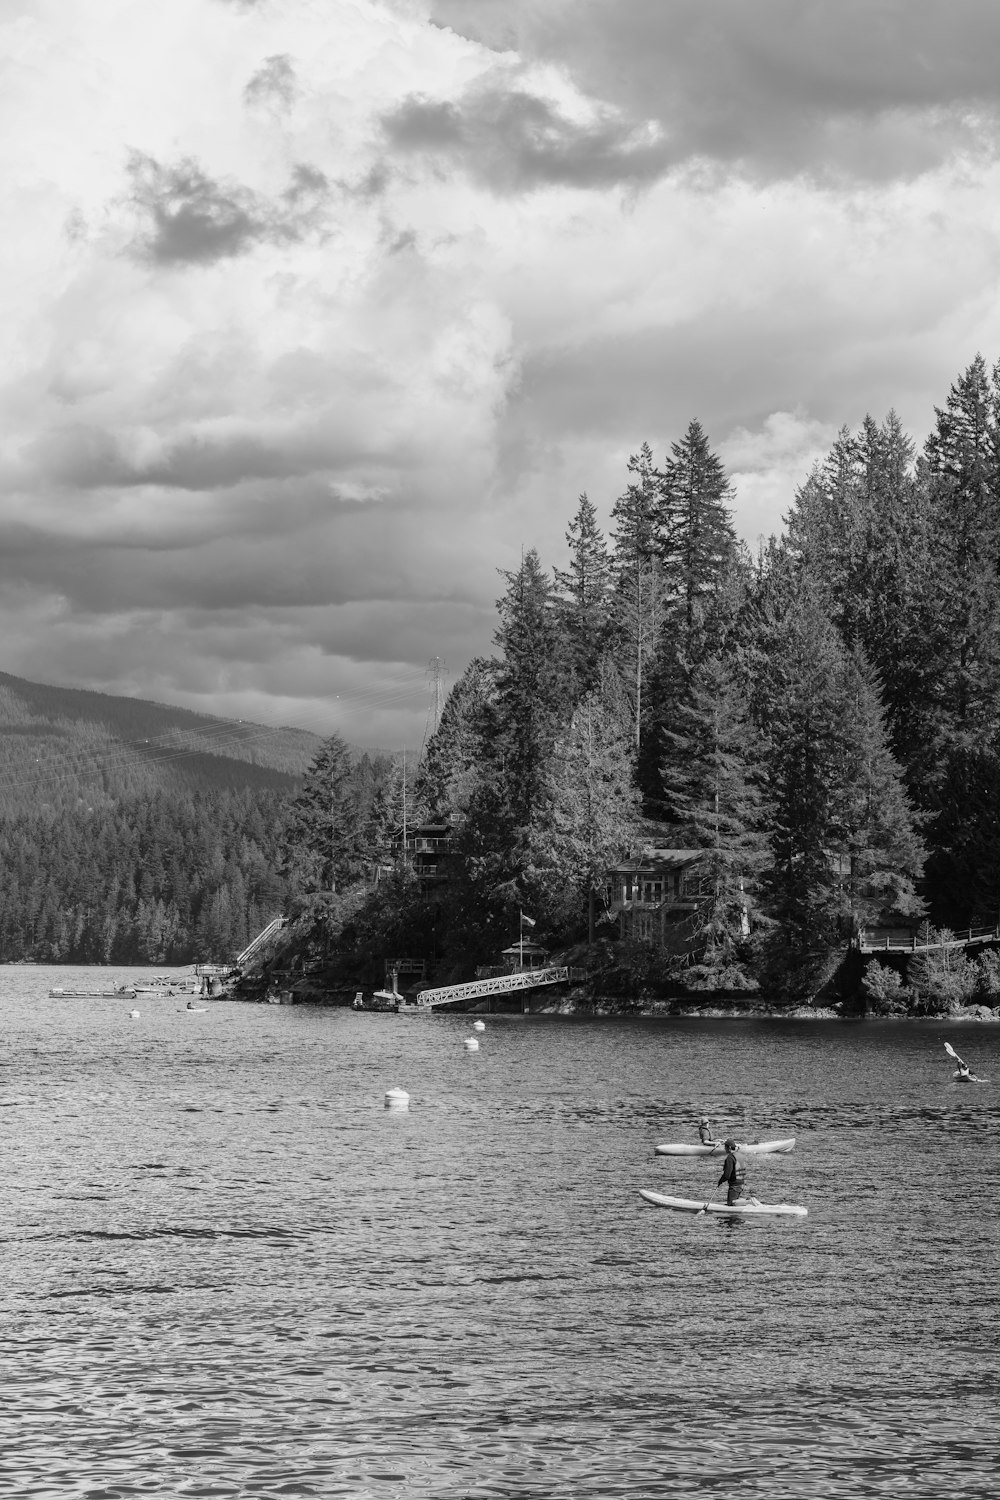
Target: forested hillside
821, 720
135, 832
132, 832
65, 746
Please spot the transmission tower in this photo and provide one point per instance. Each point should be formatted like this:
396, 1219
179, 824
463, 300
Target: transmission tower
436, 671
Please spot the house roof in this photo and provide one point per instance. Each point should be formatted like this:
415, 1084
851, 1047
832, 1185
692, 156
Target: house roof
658, 861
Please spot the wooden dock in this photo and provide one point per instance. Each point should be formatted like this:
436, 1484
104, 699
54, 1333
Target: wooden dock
972, 938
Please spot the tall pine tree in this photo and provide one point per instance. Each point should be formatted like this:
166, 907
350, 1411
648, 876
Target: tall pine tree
583, 608
712, 773
843, 840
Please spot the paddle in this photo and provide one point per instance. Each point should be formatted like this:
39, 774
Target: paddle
704, 1210
952, 1053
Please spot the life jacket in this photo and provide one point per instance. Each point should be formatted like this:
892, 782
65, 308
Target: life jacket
736, 1175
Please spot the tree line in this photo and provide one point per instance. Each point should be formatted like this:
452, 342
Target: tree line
156, 878
820, 718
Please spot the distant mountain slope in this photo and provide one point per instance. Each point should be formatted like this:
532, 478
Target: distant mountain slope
65, 746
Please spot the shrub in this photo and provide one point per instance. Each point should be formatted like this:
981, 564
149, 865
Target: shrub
987, 968
885, 993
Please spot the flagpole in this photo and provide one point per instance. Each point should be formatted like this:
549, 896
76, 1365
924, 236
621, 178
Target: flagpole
520, 933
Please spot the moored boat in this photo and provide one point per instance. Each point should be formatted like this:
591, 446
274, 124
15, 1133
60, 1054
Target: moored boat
748, 1148
748, 1208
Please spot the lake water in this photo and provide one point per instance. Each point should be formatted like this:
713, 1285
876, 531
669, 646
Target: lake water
229, 1270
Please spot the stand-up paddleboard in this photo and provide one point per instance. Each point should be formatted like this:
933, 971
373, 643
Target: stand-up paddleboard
747, 1208
750, 1148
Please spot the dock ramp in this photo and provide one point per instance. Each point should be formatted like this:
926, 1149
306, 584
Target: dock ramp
500, 984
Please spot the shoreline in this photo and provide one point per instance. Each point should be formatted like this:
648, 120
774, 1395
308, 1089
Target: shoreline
677, 1009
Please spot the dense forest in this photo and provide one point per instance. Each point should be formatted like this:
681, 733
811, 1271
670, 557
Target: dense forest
132, 832
822, 719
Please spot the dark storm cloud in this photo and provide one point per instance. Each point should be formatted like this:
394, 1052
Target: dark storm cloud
512, 139
865, 88
190, 218
89, 458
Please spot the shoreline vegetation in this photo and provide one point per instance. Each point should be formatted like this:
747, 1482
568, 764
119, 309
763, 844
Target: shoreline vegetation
813, 731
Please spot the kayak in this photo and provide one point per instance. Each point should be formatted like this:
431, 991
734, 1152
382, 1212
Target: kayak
749, 1209
961, 1077
748, 1149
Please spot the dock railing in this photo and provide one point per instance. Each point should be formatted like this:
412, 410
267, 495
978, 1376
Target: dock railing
970, 938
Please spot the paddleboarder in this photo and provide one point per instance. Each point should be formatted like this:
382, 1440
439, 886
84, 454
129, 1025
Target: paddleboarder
705, 1133
734, 1173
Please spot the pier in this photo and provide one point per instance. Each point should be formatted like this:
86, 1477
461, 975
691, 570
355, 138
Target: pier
498, 984
910, 943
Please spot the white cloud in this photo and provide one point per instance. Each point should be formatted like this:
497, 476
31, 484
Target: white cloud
279, 392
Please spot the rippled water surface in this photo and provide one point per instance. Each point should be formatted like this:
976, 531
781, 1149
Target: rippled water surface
229, 1270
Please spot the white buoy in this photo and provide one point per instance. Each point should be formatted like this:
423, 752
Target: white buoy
471, 1045
479, 1025
397, 1099
133, 1015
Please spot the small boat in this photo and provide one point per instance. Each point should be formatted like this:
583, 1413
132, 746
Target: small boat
747, 1209
748, 1148
385, 1000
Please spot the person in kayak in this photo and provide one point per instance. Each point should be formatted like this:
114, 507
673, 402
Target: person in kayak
705, 1134
734, 1173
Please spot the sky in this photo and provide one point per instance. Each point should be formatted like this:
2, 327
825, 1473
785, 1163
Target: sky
315, 314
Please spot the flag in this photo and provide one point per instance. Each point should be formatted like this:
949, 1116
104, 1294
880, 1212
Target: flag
527, 921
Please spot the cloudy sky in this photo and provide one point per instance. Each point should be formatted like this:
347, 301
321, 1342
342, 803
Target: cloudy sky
314, 313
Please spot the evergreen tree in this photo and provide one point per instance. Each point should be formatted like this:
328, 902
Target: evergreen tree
450, 766
696, 536
712, 771
532, 687
963, 869
637, 599
585, 585
590, 814
961, 597
842, 839
324, 844
860, 531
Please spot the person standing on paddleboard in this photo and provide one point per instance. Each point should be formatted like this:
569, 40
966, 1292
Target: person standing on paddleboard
734, 1173
705, 1133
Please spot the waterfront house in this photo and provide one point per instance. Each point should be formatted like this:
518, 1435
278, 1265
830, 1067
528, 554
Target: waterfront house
655, 889
425, 847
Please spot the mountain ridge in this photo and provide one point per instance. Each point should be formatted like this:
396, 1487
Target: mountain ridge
62, 746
